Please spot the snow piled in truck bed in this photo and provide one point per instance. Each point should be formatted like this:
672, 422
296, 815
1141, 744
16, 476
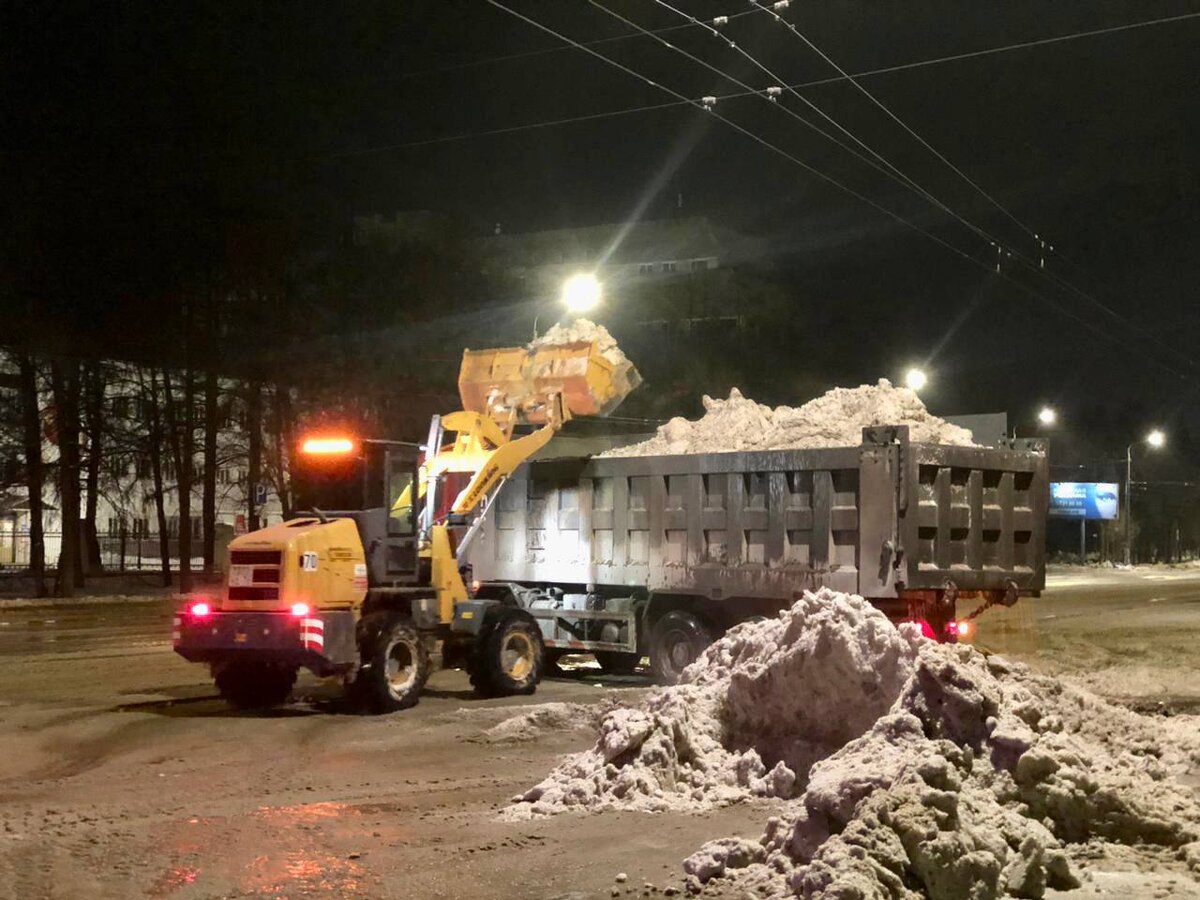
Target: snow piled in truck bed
909, 768
835, 419
580, 331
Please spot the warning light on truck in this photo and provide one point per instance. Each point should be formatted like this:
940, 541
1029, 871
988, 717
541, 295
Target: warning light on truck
200, 610
327, 446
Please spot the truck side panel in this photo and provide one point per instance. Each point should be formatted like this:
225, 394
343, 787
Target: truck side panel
721, 525
875, 520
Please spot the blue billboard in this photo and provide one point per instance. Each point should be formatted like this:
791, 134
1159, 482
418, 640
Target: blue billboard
1084, 499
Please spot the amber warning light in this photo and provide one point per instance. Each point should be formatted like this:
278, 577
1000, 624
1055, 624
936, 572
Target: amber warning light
327, 446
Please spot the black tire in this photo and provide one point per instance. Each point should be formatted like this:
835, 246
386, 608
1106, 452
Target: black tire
395, 666
509, 656
248, 685
676, 641
613, 662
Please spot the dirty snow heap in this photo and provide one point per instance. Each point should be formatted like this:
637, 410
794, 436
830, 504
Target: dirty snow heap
835, 419
907, 768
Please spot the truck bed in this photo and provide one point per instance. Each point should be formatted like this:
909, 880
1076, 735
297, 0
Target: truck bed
876, 519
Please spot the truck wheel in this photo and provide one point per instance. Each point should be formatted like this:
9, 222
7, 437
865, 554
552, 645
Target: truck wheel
254, 685
395, 667
615, 663
508, 658
676, 641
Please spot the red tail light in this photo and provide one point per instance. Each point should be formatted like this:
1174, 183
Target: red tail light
200, 610
300, 609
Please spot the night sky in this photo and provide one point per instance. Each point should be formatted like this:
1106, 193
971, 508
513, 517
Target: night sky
135, 134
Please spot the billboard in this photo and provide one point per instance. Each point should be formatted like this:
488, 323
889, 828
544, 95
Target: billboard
1084, 499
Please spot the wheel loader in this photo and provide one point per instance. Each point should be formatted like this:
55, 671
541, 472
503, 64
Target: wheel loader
366, 584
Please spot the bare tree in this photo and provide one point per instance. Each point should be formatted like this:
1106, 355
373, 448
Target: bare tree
181, 436
282, 430
64, 381
154, 442
31, 431
254, 460
208, 510
93, 410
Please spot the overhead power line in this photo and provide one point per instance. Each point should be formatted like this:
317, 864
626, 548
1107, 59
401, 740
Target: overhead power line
1087, 323
817, 82
757, 5
1053, 277
509, 57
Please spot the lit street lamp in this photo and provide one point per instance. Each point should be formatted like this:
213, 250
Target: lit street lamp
1155, 439
1047, 415
581, 292
915, 379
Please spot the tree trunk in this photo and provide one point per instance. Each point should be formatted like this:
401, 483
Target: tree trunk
94, 415
254, 463
281, 429
209, 502
31, 427
156, 448
64, 379
181, 435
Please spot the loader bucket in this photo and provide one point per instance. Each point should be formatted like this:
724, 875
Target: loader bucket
589, 383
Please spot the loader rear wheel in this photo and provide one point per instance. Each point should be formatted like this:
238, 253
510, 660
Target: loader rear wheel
395, 666
509, 656
254, 685
676, 641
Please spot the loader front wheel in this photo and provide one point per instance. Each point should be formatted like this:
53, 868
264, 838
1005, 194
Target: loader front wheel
254, 685
395, 666
509, 656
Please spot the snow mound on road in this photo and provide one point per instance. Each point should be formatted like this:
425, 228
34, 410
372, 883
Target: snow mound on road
910, 769
835, 419
737, 725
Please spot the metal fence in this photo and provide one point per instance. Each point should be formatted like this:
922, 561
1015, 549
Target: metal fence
119, 551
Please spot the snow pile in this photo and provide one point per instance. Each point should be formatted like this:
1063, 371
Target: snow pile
580, 331
835, 419
534, 722
912, 769
749, 717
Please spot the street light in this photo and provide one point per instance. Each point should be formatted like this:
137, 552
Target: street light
1155, 439
581, 292
915, 379
1047, 415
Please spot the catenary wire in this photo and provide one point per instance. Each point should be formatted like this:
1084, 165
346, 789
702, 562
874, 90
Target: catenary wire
1052, 276
996, 242
1087, 323
866, 73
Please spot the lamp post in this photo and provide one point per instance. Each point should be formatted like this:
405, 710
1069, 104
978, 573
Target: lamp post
1155, 439
581, 292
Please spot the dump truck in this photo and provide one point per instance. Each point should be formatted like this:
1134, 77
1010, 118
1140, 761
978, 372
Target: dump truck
366, 585
464, 551
632, 557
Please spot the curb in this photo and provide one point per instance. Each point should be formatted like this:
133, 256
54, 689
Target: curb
58, 602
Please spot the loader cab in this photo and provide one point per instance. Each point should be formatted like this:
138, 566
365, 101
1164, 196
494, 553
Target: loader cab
375, 484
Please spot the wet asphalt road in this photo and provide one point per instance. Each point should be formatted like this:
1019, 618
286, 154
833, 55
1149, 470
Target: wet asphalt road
122, 774
1106, 606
